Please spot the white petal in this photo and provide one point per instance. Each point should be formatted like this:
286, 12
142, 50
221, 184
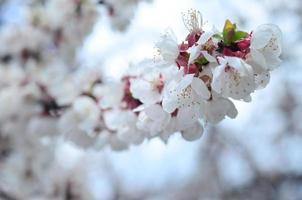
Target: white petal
144, 91
240, 65
262, 80
270, 41
110, 95
193, 133
185, 82
261, 37
117, 145
205, 37
113, 119
232, 111
247, 98
208, 56
217, 83
240, 90
200, 88
272, 61
168, 47
222, 61
155, 112
139, 108
169, 104
188, 115
194, 53
218, 108
258, 61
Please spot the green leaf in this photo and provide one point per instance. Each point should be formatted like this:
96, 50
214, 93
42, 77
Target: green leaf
218, 36
202, 61
239, 35
228, 32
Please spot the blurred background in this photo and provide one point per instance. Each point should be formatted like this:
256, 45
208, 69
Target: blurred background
257, 156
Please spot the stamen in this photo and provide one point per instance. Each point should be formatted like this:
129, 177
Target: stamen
192, 20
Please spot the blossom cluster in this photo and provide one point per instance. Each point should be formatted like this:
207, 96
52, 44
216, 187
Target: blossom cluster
187, 85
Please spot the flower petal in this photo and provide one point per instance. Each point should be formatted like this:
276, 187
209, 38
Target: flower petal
193, 133
200, 88
194, 53
209, 57
261, 37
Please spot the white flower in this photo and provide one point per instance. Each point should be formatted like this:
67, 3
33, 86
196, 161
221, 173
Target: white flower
80, 123
68, 126
266, 47
15, 39
87, 112
201, 48
193, 132
153, 119
172, 127
186, 96
168, 48
184, 91
233, 78
110, 95
147, 88
123, 122
64, 91
43, 126
217, 108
